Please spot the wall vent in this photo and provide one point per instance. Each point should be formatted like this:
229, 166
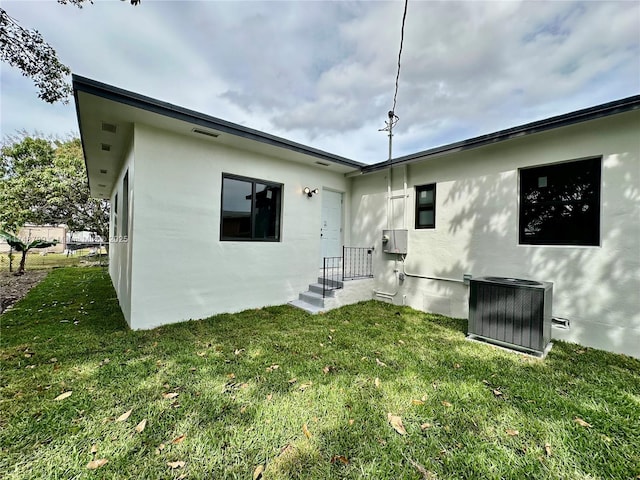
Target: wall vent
322, 163
105, 147
109, 127
205, 132
511, 312
103, 171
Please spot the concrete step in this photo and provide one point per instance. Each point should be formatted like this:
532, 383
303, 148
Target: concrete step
317, 288
307, 307
313, 298
331, 282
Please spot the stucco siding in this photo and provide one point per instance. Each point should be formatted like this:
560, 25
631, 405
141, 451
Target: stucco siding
182, 269
476, 232
121, 246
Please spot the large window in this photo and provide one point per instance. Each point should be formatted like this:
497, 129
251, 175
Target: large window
560, 203
250, 209
426, 206
125, 205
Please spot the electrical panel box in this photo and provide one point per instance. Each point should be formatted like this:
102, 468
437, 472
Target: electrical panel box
394, 241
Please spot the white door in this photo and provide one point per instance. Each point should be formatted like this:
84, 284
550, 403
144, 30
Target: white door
331, 226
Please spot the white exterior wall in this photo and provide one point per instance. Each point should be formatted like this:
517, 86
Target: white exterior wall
596, 288
182, 270
120, 247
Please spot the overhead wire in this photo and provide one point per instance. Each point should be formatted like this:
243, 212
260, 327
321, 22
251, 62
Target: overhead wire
404, 17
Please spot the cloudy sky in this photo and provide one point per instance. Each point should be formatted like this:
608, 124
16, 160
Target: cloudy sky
323, 73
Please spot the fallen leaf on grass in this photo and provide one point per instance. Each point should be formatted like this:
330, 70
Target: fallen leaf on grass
401, 342
351, 420
201, 354
425, 426
547, 448
456, 365
340, 458
93, 464
581, 422
396, 423
124, 416
376, 382
447, 404
417, 402
64, 395
304, 386
231, 375
269, 397
497, 393
272, 368
238, 351
170, 395
511, 432
94, 449
257, 473
179, 439
306, 431
141, 425
293, 380
328, 369
380, 363
178, 464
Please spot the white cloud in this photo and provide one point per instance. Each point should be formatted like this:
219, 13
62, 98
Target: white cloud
323, 73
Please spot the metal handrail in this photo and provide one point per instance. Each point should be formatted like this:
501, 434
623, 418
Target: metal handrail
330, 274
357, 262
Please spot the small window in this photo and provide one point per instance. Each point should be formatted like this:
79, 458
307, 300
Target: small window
115, 216
250, 209
560, 204
426, 206
125, 205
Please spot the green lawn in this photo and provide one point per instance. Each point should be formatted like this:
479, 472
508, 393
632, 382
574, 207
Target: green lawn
298, 395
35, 261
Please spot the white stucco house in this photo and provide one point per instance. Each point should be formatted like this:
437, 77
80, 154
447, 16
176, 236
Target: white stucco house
210, 216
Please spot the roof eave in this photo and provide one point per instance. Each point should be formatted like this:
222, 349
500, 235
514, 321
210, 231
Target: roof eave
591, 113
143, 102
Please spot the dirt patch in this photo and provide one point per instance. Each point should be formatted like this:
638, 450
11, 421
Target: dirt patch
13, 288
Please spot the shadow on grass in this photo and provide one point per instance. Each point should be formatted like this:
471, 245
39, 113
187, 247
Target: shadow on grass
247, 383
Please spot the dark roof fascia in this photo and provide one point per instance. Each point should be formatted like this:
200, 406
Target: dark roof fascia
86, 167
109, 92
591, 113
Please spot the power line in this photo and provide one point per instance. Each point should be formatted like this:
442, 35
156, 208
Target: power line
404, 17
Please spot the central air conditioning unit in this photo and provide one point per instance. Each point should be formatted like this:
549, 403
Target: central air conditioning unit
511, 312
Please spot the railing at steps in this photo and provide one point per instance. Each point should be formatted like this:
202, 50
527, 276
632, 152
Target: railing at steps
331, 274
356, 262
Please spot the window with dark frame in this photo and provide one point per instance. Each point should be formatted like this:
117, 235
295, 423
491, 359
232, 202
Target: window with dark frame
115, 216
125, 205
250, 209
560, 203
426, 206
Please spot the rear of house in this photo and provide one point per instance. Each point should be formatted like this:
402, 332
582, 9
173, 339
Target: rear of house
207, 216
558, 203
211, 217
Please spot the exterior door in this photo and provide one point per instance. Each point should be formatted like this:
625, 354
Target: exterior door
331, 225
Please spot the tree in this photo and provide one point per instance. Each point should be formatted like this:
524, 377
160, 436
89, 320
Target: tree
20, 246
43, 181
26, 50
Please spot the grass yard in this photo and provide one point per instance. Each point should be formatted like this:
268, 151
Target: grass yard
299, 396
35, 261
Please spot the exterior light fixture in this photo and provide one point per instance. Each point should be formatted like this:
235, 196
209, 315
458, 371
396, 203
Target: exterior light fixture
310, 193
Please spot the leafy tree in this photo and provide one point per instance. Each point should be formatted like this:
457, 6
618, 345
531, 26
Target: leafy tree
43, 181
26, 50
20, 246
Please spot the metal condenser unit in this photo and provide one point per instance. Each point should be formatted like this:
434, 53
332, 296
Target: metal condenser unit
511, 312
